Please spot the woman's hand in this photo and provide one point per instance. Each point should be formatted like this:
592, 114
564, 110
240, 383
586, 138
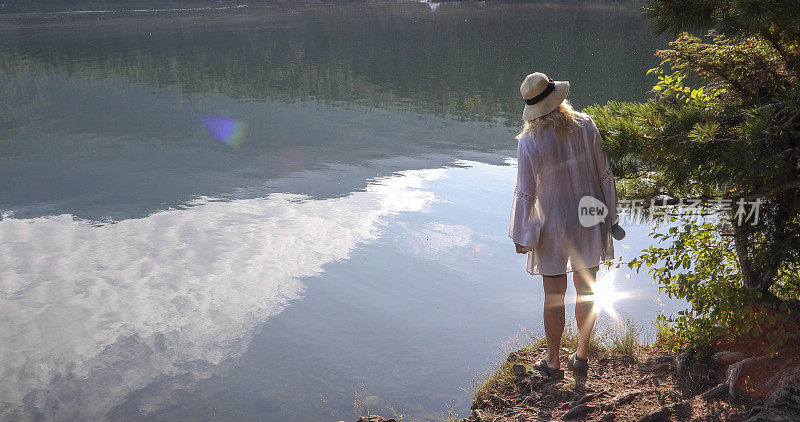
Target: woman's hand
520, 249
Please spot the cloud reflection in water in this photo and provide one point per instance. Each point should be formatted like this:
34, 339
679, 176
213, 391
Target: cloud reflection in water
97, 311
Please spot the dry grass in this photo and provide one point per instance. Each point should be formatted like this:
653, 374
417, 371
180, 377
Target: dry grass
625, 338
569, 340
620, 339
500, 373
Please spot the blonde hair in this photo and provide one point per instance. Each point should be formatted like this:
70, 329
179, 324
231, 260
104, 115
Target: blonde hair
564, 118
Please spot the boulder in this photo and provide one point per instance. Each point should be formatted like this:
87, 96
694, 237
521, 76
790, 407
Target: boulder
757, 377
723, 359
781, 405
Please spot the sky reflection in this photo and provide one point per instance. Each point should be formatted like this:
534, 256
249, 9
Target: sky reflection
135, 315
166, 294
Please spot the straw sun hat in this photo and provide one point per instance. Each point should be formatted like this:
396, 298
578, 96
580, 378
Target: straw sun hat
541, 94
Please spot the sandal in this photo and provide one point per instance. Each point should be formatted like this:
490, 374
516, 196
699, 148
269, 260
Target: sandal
547, 371
577, 364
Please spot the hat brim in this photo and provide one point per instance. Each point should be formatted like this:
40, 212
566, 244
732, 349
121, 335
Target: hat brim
550, 103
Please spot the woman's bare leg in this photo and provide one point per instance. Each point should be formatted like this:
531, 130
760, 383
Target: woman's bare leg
584, 308
554, 289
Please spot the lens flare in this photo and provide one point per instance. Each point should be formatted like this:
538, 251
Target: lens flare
606, 294
228, 131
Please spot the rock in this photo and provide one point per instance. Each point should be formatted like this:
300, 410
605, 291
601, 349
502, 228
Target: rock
626, 397
738, 375
545, 413
727, 358
772, 417
791, 373
577, 412
375, 418
607, 407
681, 407
553, 392
757, 377
755, 410
519, 370
781, 405
765, 414
660, 367
661, 359
786, 396
607, 417
662, 414
717, 392
682, 361
779, 397
585, 398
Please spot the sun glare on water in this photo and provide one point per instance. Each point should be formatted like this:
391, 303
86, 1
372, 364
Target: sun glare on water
606, 294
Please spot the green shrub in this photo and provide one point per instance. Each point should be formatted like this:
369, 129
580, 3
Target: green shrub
700, 265
665, 334
723, 122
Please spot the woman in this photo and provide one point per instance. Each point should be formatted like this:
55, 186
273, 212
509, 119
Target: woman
563, 182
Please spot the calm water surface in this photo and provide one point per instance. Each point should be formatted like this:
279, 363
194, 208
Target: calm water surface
346, 242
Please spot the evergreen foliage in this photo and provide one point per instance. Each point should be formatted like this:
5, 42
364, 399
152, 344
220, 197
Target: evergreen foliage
723, 122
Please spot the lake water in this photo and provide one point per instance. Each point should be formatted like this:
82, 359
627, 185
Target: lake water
345, 241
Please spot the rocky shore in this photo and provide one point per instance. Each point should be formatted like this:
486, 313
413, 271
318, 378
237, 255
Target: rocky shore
648, 386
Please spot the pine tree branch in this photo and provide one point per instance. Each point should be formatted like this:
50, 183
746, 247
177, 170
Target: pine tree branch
771, 192
736, 118
674, 199
714, 70
791, 59
790, 121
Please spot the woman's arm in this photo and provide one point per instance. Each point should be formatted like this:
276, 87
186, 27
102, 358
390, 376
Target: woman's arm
523, 225
605, 176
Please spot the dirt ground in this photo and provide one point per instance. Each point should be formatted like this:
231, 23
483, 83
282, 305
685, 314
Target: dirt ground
641, 387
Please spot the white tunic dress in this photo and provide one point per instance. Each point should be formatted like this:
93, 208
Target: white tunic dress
554, 173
